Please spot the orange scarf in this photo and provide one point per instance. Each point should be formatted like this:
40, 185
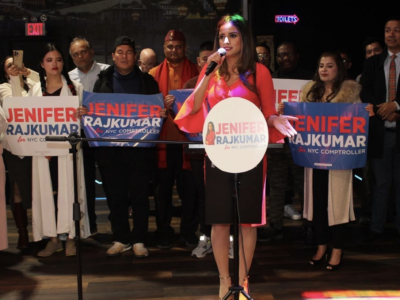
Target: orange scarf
189, 71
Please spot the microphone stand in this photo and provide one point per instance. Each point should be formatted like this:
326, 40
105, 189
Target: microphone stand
74, 139
236, 289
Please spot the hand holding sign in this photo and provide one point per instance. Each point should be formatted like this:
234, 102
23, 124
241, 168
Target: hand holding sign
281, 107
164, 113
81, 111
168, 101
370, 109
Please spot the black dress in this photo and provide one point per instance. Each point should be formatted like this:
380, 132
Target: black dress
219, 195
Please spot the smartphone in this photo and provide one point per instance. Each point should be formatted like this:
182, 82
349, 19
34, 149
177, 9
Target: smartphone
18, 56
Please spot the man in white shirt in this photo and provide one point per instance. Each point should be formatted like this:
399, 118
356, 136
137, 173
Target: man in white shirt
87, 68
86, 72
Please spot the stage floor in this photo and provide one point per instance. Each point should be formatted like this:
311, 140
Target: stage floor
280, 268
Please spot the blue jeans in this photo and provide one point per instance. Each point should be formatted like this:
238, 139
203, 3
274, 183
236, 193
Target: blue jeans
387, 174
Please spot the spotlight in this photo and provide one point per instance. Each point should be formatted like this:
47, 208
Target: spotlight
43, 18
33, 19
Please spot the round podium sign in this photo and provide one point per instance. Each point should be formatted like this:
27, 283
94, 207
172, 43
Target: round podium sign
235, 135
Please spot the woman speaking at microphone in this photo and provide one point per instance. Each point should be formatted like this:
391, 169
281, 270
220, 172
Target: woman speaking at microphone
235, 75
52, 177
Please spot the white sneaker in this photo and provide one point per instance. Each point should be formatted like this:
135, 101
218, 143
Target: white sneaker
203, 247
118, 248
140, 250
231, 251
291, 212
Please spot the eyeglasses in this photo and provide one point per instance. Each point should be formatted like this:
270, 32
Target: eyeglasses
284, 54
77, 54
260, 56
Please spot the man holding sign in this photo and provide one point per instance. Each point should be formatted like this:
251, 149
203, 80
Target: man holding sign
173, 166
126, 171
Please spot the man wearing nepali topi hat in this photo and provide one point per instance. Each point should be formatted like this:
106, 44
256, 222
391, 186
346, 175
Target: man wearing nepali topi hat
173, 165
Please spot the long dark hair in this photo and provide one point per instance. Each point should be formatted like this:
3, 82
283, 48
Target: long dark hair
42, 73
208, 129
246, 65
317, 91
3, 74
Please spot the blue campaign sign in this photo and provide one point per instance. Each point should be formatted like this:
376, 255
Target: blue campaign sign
122, 116
180, 97
330, 135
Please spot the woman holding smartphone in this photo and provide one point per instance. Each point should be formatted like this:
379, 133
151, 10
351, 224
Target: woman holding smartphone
16, 82
52, 184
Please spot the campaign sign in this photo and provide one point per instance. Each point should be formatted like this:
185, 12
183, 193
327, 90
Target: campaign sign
288, 90
180, 97
31, 119
122, 116
235, 135
329, 135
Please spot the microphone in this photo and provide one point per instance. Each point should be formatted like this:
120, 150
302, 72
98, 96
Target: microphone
213, 64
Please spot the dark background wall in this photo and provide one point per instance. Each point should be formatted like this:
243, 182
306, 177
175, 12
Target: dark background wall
323, 25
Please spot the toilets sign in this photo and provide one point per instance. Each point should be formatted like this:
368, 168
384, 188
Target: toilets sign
287, 19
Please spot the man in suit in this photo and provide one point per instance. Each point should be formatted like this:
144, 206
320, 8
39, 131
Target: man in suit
380, 82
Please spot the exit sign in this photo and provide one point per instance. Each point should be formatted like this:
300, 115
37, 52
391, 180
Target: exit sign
35, 29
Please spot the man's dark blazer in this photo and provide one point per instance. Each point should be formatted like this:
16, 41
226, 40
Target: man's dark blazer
374, 91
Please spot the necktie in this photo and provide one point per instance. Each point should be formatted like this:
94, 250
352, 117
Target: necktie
392, 79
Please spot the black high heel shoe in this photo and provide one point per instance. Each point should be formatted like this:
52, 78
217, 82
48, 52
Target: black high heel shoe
330, 267
316, 262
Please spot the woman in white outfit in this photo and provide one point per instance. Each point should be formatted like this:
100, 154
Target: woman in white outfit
53, 176
16, 82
